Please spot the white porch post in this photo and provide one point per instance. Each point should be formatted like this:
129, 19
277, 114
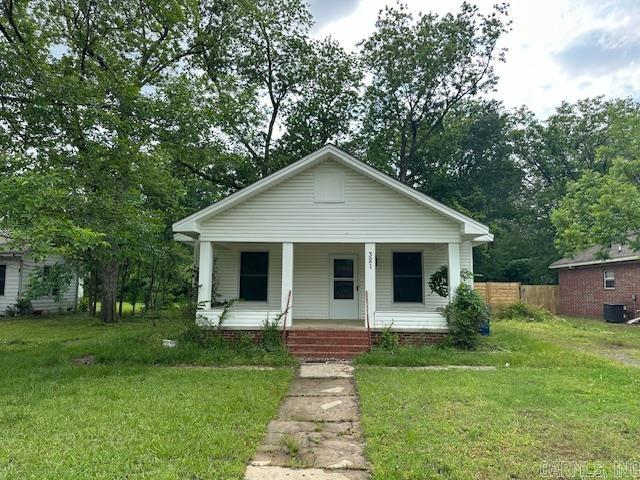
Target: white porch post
287, 281
370, 280
205, 275
453, 269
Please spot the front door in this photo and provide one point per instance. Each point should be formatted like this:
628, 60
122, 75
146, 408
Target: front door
343, 288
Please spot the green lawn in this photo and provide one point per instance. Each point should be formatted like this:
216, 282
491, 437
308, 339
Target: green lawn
125, 416
560, 404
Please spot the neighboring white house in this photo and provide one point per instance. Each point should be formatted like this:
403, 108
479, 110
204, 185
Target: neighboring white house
333, 238
15, 272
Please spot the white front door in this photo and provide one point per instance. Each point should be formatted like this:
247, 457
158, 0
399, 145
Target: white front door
343, 288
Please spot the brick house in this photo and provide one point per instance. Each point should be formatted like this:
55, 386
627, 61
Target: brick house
586, 281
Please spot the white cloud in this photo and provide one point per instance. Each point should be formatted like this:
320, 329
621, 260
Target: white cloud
557, 49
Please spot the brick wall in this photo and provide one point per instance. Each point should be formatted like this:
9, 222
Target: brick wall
406, 338
413, 338
582, 291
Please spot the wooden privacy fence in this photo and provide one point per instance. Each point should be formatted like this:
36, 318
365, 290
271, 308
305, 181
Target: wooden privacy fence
498, 294
542, 296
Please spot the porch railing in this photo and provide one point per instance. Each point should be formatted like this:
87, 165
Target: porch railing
366, 316
284, 319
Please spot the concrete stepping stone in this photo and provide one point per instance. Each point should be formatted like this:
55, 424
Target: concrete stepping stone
322, 386
317, 434
326, 370
321, 408
328, 445
279, 473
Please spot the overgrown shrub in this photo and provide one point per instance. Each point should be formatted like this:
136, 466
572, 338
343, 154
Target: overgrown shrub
83, 304
389, 341
271, 338
523, 312
21, 307
464, 315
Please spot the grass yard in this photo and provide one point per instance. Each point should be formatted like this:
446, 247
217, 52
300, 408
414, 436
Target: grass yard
124, 416
561, 408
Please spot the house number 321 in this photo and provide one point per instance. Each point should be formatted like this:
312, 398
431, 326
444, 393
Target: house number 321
370, 259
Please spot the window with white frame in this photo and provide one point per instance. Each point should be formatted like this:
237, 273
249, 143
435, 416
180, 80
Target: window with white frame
609, 279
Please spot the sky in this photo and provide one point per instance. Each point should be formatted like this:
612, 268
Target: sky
557, 49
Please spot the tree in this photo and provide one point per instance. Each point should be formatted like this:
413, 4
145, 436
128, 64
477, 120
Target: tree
264, 65
326, 108
604, 208
421, 68
77, 104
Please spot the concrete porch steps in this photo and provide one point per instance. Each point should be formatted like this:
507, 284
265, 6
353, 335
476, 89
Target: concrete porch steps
327, 344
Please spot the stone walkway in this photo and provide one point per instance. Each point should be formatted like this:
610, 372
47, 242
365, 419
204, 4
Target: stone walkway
317, 435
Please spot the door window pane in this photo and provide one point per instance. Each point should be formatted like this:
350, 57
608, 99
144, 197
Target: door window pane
254, 276
407, 277
343, 268
343, 289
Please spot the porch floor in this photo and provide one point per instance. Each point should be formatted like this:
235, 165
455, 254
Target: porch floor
299, 324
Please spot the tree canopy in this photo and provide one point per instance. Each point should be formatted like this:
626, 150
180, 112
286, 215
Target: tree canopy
117, 118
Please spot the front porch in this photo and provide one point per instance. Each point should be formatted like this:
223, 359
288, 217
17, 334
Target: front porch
348, 286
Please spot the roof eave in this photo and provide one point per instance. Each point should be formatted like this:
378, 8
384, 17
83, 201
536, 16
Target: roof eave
595, 262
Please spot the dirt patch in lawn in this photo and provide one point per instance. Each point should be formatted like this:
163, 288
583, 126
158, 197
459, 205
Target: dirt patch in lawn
84, 360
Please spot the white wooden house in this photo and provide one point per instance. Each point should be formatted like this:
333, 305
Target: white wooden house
16, 269
335, 239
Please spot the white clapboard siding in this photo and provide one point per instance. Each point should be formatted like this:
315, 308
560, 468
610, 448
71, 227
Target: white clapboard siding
433, 257
311, 278
311, 283
466, 258
236, 318
371, 212
11, 286
48, 303
226, 265
411, 320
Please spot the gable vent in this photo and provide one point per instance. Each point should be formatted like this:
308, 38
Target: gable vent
329, 186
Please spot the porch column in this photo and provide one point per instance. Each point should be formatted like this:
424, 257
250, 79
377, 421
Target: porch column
370, 280
287, 281
205, 275
453, 268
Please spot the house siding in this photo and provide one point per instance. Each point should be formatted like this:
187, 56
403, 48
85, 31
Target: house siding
47, 303
12, 281
582, 291
311, 282
371, 212
13, 289
226, 266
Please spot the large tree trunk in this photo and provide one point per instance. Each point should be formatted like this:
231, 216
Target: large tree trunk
93, 292
109, 288
123, 281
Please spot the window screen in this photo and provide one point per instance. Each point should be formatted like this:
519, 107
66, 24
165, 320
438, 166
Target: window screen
3, 278
407, 277
609, 279
254, 274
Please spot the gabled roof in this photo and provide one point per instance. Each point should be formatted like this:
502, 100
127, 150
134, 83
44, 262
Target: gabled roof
190, 225
591, 256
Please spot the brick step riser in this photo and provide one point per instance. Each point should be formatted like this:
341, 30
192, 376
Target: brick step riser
320, 349
315, 353
337, 356
317, 331
324, 341
331, 335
